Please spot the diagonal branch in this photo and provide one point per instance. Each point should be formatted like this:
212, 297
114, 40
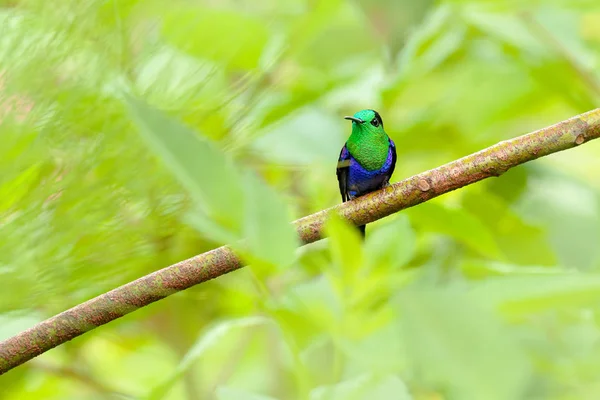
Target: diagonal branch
417, 189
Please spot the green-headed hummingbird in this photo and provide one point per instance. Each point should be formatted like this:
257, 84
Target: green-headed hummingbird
368, 158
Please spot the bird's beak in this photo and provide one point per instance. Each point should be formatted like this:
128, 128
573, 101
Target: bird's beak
357, 120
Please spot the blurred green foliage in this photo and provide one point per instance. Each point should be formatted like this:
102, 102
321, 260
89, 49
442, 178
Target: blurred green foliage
139, 133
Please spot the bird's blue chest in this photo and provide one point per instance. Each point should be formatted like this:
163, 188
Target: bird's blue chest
361, 180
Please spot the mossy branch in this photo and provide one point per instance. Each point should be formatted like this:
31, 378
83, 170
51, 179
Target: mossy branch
493, 161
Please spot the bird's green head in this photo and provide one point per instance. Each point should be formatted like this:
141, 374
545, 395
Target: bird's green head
368, 142
367, 121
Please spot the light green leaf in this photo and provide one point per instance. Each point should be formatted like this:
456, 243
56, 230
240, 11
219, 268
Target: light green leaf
346, 247
455, 344
314, 302
308, 136
205, 341
391, 245
503, 27
518, 296
432, 43
207, 174
381, 351
364, 387
212, 336
227, 37
270, 235
224, 198
478, 269
458, 224
226, 393
206, 226
13, 323
521, 242
176, 79
570, 211
15, 189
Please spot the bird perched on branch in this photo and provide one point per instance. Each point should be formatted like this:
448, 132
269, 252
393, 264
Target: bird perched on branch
368, 158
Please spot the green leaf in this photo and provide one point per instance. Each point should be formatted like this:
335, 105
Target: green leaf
345, 246
521, 242
227, 37
207, 174
315, 303
391, 245
478, 269
518, 296
432, 43
364, 387
270, 235
503, 27
455, 344
306, 137
13, 323
511, 186
570, 212
226, 393
229, 207
176, 80
207, 340
458, 224
214, 335
202, 223
18, 187
380, 352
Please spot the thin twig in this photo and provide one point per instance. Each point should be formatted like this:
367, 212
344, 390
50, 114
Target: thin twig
493, 161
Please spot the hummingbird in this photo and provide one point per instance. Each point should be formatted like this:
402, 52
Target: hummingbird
367, 159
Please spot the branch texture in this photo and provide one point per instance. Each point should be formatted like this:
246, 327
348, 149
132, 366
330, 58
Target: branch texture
493, 161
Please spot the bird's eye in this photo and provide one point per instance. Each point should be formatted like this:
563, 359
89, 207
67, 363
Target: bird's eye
375, 122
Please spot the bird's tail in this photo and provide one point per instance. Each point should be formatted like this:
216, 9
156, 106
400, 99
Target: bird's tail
361, 228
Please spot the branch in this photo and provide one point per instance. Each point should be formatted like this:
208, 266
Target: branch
493, 161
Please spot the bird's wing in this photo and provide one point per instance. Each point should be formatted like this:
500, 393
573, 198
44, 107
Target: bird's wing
393, 149
343, 168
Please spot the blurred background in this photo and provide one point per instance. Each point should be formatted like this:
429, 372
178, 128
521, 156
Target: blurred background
490, 292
